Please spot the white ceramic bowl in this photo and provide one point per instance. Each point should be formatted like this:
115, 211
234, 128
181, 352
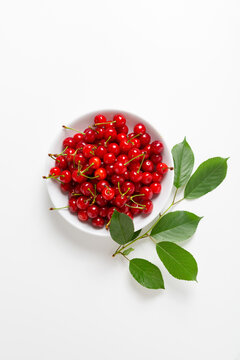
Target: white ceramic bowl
59, 199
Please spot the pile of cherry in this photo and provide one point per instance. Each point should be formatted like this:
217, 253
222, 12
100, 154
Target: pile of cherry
106, 168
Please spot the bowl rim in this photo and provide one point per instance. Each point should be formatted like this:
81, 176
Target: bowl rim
92, 230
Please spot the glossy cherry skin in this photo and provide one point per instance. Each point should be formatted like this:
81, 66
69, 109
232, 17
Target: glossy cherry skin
82, 215
101, 185
148, 207
109, 169
110, 212
139, 129
134, 153
135, 176
109, 158
147, 178
72, 202
78, 177
119, 119
79, 159
122, 158
156, 187
83, 202
108, 193
157, 177
93, 211
121, 137
119, 168
136, 143
115, 179
156, 158
99, 119
144, 139
88, 150
66, 176
90, 135
98, 222
120, 200
69, 142
87, 188
162, 168
147, 192
70, 152
110, 133
122, 129
125, 146
78, 137
66, 187
147, 151
95, 162
148, 166
55, 171
113, 148
100, 201
103, 211
61, 162
100, 173
156, 147
101, 151
128, 188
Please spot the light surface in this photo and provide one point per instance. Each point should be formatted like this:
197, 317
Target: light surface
81, 123
62, 295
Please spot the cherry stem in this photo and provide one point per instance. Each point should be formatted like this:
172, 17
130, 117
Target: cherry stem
69, 128
60, 208
141, 163
126, 192
50, 177
82, 172
134, 158
120, 189
107, 140
105, 123
170, 168
52, 156
140, 207
135, 136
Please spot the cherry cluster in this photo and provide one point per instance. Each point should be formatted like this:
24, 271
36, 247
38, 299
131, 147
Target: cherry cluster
106, 168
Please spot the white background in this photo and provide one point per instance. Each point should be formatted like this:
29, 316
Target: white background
62, 296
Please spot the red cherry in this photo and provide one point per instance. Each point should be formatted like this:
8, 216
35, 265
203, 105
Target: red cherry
136, 143
155, 187
148, 166
79, 159
113, 148
109, 158
109, 169
69, 142
61, 162
88, 150
70, 152
110, 212
148, 206
93, 211
87, 188
101, 185
156, 158
108, 193
100, 173
90, 135
115, 179
100, 201
122, 129
103, 211
98, 222
121, 136
133, 153
116, 190
122, 158
72, 202
128, 188
126, 175
101, 151
146, 178
99, 134
66, 187
110, 133
128, 213
138, 186
156, 147
78, 137
147, 192
80, 145
135, 210
100, 119
135, 176
120, 120
55, 171
157, 177
119, 168
82, 215
78, 177
145, 139
66, 176
120, 200
162, 168
134, 166
139, 129
83, 202
147, 151
96, 161
125, 146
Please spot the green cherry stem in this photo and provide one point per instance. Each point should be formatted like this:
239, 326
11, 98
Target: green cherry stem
105, 123
69, 128
141, 163
135, 136
60, 208
134, 158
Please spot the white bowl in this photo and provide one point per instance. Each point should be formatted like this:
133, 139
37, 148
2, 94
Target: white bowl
59, 199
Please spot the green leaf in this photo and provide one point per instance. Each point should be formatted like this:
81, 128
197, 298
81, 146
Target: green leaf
136, 233
179, 262
183, 163
146, 273
127, 251
206, 178
121, 228
176, 226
